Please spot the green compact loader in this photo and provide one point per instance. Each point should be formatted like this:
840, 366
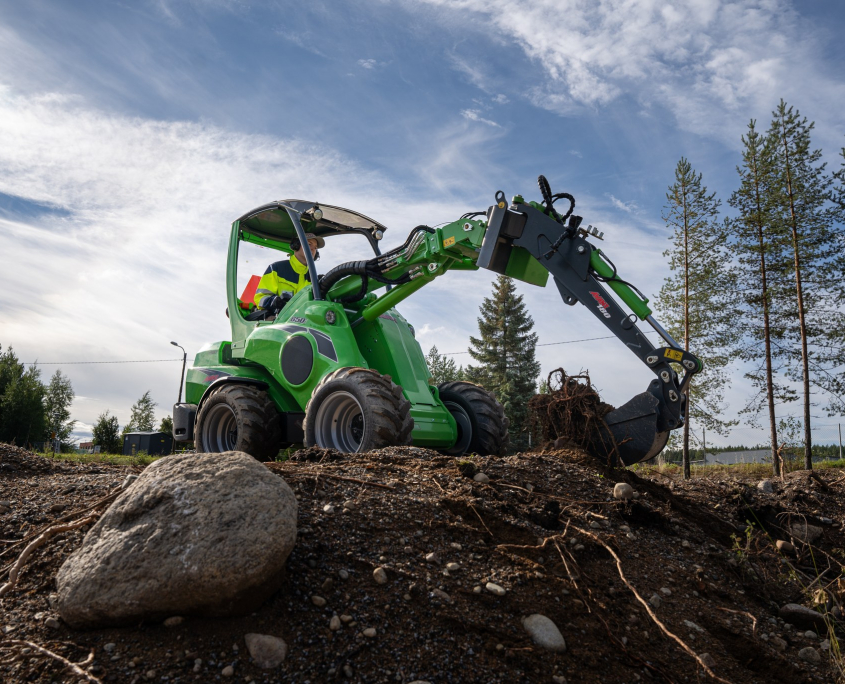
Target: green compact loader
339, 367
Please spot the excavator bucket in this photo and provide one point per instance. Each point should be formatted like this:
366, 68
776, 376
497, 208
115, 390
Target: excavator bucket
634, 427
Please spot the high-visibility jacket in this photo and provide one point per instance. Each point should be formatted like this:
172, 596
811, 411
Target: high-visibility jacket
291, 276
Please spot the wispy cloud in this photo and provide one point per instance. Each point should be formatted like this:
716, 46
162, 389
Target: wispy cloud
367, 63
475, 115
628, 207
501, 99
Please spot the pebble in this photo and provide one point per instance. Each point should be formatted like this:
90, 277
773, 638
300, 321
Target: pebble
810, 634
267, 651
784, 546
328, 508
52, 623
481, 478
227, 671
345, 618
151, 674
334, 623
825, 645
442, 595
108, 648
623, 491
666, 591
558, 679
707, 659
810, 655
594, 525
343, 574
431, 557
495, 589
624, 528
350, 505
174, 621
693, 626
655, 601
318, 601
779, 644
685, 544
453, 566
380, 575
476, 589
544, 633
370, 632
765, 486
797, 614
455, 546
347, 671
57, 508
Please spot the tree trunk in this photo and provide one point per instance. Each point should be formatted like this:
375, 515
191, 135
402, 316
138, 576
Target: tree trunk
805, 367
686, 332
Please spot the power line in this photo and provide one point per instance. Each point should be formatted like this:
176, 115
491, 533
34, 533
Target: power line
551, 344
77, 363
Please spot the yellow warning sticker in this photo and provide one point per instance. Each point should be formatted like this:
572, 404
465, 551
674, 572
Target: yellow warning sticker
673, 354
448, 242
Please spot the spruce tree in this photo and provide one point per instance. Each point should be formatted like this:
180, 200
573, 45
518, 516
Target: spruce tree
505, 352
22, 418
802, 200
694, 299
143, 415
761, 259
442, 368
57, 400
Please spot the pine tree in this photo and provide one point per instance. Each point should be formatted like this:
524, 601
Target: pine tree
694, 298
106, 433
57, 400
801, 198
505, 352
442, 368
21, 401
166, 425
761, 258
143, 415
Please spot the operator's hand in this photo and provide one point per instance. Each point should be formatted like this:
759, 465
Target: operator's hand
275, 303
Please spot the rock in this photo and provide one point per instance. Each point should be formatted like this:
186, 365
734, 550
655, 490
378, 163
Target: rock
594, 525
52, 623
778, 644
431, 557
109, 648
765, 486
196, 534
784, 546
442, 595
544, 633
805, 532
346, 618
227, 671
370, 632
318, 601
810, 655
57, 508
380, 575
174, 621
267, 651
825, 645
334, 623
797, 614
348, 671
328, 508
558, 679
343, 574
350, 505
666, 591
707, 659
481, 477
495, 589
655, 601
810, 634
451, 567
691, 625
636, 495
623, 491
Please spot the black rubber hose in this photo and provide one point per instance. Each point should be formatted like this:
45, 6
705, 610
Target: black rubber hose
341, 271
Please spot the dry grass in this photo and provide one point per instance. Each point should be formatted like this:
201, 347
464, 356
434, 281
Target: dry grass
750, 470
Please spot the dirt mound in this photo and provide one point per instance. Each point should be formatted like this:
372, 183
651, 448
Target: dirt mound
571, 414
465, 563
14, 459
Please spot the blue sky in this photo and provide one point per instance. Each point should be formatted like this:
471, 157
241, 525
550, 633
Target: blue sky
135, 132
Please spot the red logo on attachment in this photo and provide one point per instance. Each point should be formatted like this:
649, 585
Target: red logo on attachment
600, 300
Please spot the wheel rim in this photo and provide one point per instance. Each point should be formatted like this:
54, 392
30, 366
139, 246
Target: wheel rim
220, 429
339, 423
464, 427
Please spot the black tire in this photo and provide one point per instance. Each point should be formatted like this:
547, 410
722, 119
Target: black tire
239, 417
357, 409
472, 404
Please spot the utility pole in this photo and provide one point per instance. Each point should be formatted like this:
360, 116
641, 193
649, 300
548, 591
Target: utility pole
182, 376
704, 440
840, 441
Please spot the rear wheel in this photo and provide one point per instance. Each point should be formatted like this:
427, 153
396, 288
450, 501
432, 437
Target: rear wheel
239, 417
357, 409
482, 426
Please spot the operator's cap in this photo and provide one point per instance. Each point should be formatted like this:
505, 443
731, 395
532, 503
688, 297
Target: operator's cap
320, 241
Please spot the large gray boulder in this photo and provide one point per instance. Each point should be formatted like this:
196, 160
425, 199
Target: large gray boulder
198, 534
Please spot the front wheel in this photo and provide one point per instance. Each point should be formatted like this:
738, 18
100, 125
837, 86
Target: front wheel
238, 417
356, 410
482, 426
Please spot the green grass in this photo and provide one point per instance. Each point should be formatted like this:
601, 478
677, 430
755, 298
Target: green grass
141, 459
756, 470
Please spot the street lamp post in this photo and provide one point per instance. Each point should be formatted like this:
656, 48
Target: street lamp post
182, 376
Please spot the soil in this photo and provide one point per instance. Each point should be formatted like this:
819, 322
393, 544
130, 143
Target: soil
535, 530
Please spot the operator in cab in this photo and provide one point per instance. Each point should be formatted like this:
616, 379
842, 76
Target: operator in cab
284, 279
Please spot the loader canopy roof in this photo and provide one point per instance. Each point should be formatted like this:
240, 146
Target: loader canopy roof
272, 221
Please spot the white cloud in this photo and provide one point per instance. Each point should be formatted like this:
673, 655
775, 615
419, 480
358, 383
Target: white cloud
627, 207
475, 115
367, 63
501, 99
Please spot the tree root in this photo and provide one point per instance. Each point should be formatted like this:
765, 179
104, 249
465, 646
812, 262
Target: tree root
75, 668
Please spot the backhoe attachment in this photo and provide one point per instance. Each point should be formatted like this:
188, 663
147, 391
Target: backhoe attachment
582, 273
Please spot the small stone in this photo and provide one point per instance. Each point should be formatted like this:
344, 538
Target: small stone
350, 505
150, 674
785, 546
624, 528
318, 601
655, 601
347, 671
797, 614
451, 567
442, 595
685, 544
431, 557
227, 671
495, 589
825, 645
267, 651
328, 508
810, 655
544, 633
765, 486
380, 575
810, 634
345, 618
174, 621
476, 589
666, 591
455, 546
594, 525
804, 532
57, 508
334, 623
623, 491
707, 659
343, 574
370, 632
558, 679
693, 626
52, 623
481, 478
636, 495
631, 535
108, 648
778, 644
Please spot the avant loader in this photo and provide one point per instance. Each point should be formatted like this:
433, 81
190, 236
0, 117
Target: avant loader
339, 367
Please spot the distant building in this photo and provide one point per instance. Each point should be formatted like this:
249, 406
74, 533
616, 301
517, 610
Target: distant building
86, 445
